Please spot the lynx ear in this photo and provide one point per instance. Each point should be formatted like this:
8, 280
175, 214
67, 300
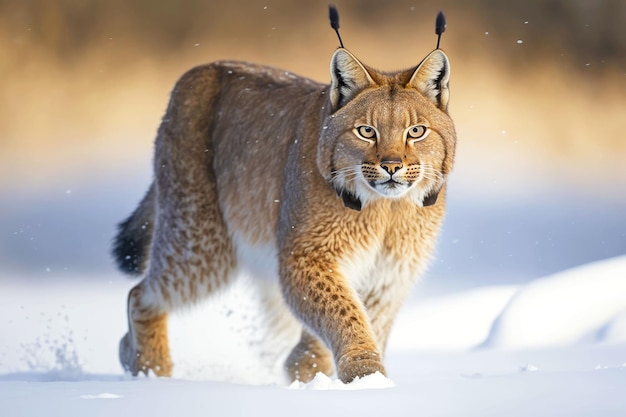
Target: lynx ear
431, 78
349, 77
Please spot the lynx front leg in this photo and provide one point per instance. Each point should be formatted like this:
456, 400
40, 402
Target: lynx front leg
382, 310
145, 347
323, 300
309, 357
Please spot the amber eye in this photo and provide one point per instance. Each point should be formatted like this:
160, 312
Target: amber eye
417, 132
366, 132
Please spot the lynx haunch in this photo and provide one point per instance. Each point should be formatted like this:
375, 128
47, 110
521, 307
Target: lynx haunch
340, 189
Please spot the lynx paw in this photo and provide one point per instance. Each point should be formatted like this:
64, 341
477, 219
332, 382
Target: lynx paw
307, 359
306, 367
134, 361
359, 365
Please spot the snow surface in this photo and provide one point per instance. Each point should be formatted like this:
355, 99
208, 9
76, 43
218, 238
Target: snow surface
589, 302
554, 346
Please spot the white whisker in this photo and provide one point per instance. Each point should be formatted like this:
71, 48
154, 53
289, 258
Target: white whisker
347, 170
429, 173
346, 173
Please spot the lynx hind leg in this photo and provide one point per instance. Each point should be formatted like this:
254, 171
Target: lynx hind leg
191, 258
191, 254
309, 357
145, 347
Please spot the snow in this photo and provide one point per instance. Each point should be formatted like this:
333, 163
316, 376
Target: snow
466, 318
323, 382
552, 346
565, 308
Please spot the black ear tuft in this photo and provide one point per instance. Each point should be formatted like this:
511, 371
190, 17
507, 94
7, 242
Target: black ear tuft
333, 14
440, 27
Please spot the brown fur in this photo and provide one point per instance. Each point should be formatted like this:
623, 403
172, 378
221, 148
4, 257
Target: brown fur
254, 158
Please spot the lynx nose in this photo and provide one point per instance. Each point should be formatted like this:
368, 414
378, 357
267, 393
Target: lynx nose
391, 166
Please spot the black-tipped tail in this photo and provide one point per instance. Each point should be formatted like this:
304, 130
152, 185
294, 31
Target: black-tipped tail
131, 245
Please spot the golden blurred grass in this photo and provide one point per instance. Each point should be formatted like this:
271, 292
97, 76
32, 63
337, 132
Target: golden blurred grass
73, 105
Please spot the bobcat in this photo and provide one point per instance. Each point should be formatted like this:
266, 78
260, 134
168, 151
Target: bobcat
339, 189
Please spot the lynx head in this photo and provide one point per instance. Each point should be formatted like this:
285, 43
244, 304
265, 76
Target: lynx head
387, 135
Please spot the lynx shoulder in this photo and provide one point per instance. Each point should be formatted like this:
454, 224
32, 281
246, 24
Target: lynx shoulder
336, 191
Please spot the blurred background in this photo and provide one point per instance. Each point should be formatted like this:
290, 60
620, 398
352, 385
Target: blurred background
538, 94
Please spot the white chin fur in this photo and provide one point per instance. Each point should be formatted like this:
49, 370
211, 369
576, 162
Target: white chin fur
392, 191
366, 193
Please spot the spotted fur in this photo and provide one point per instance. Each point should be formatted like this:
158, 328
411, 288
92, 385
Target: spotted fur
259, 169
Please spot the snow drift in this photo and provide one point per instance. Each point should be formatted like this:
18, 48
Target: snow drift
58, 354
586, 304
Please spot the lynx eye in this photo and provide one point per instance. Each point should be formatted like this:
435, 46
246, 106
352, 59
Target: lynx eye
367, 133
417, 133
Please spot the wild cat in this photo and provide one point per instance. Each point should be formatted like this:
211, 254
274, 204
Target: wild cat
341, 185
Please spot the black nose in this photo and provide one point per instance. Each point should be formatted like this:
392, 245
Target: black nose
391, 166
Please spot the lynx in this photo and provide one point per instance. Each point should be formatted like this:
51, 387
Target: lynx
339, 191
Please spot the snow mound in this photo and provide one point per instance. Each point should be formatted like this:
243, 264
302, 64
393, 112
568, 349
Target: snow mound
581, 305
451, 322
323, 382
615, 330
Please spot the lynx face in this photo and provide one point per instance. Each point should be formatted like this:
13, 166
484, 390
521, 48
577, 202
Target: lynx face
388, 150
390, 136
